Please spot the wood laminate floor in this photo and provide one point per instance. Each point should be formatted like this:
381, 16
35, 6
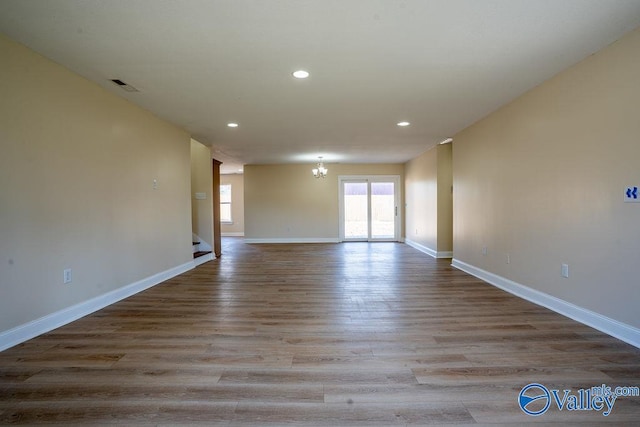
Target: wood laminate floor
335, 334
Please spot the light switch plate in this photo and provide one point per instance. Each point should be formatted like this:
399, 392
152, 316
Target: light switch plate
66, 276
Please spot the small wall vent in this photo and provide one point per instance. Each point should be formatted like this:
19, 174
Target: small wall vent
124, 85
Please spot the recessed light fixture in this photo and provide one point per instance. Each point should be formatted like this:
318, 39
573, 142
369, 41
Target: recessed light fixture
301, 74
446, 141
403, 124
232, 125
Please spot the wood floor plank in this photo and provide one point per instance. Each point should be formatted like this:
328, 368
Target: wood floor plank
99, 412
320, 375
318, 335
351, 414
625, 413
507, 375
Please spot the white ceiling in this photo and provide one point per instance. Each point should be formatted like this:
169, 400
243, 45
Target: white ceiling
439, 64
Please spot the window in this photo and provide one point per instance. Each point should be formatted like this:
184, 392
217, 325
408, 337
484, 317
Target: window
225, 203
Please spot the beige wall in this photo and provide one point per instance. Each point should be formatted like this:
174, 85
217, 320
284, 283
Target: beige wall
287, 202
421, 193
202, 182
445, 199
77, 166
542, 180
237, 205
428, 180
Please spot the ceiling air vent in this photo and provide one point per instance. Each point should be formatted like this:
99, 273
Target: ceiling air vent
124, 85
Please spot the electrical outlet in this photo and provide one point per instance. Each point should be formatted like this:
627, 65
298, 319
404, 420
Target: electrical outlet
155, 184
565, 270
66, 276
508, 259
485, 250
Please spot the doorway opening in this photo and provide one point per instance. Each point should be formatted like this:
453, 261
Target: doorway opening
369, 208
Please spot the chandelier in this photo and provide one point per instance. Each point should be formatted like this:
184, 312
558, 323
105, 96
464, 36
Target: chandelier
320, 171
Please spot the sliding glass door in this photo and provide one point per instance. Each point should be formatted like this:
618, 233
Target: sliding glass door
369, 208
383, 210
356, 210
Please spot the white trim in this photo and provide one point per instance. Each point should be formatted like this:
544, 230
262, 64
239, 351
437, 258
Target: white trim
421, 248
622, 331
370, 179
202, 259
294, 240
32, 329
233, 234
429, 251
202, 245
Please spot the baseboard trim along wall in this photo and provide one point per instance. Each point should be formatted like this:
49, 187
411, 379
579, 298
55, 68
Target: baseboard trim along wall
22, 333
622, 331
429, 251
202, 259
294, 240
233, 234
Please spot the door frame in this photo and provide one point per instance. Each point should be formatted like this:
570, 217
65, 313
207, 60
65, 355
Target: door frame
369, 179
217, 239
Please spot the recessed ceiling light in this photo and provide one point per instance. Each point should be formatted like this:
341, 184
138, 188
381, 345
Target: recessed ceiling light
403, 124
446, 141
301, 74
232, 125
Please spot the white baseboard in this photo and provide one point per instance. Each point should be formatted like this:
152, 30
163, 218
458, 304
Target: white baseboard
429, 251
233, 234
202, 259
421, 248
622, 331
294, 240
32, 329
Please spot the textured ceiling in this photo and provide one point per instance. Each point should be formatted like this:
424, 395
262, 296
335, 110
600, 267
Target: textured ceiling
439, 64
